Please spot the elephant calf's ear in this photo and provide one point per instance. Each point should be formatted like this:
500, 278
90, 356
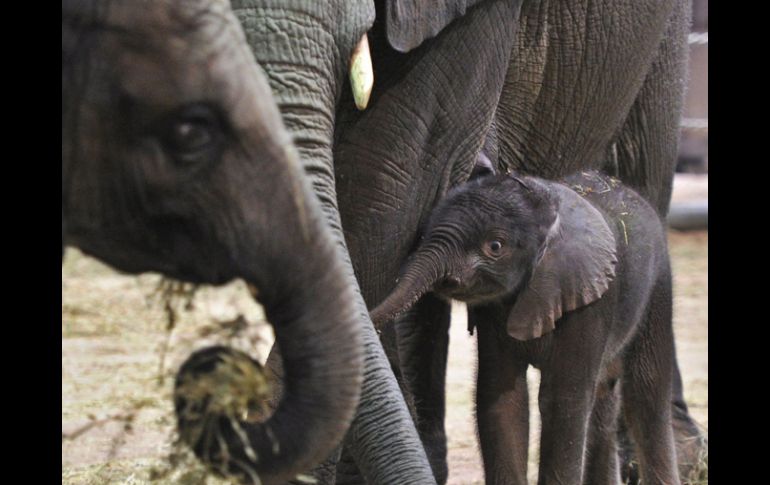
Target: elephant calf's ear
576, 268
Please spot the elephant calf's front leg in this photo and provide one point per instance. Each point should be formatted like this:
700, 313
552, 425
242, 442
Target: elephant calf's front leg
567, 395
565, 418
502, 409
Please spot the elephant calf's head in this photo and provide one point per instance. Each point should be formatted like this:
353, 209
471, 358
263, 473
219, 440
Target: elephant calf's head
527, 242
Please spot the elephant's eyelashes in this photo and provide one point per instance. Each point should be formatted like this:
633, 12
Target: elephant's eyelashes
193, 135
493, 248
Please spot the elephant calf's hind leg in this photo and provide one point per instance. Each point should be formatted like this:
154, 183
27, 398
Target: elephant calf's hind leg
647, 384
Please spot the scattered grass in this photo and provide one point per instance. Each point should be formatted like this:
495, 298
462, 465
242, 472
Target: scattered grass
123, 337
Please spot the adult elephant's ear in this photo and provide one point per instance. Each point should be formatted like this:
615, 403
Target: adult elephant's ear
575, 269
410, 22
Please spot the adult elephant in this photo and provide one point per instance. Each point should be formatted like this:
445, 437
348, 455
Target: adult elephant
561, 86
175, 159
549, 87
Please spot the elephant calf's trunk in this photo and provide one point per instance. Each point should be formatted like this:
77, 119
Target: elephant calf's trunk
426, 268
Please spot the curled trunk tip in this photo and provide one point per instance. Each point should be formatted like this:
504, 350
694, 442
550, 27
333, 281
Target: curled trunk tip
421, 274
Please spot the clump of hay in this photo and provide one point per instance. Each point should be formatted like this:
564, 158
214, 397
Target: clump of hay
224, 381
236, 388
217, 389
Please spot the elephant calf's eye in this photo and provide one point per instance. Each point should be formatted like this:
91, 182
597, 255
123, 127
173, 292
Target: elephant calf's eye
493, 248
193, 135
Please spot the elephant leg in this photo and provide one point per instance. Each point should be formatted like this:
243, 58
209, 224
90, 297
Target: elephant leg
629, 469
417, 345
502, 406
347, 471
646, 151
647, 144
691, 445
567, 393
602, 466
564, 430
423, 344
647, 384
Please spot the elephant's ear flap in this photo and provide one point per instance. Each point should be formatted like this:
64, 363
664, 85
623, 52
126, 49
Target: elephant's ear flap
575, 269
410, 22
483, 166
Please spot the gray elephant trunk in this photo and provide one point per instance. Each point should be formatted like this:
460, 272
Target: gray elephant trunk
297, 271
429, 265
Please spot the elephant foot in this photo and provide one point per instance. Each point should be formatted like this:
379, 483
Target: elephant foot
691, 450
629, 470
437, 457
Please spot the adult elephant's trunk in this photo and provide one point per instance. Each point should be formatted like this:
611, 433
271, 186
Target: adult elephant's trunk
429, 265
382, 437
288, 255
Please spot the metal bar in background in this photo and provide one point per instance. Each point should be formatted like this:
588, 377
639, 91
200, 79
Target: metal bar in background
689, 216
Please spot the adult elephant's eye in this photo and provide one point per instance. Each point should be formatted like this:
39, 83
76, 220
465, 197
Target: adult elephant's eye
193, 135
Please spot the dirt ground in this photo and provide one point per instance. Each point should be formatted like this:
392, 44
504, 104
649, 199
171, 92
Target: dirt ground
118, 361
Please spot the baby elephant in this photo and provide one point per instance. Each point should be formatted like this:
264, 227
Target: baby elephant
573, 278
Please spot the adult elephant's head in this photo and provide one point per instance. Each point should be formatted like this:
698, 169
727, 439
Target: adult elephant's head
175, 159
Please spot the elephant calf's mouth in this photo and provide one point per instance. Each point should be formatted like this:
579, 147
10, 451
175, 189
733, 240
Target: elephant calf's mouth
472, 294
452, 289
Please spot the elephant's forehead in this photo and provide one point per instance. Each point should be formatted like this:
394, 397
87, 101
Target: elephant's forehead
163, 27
490, 195
166, 53
166, 15
474, 214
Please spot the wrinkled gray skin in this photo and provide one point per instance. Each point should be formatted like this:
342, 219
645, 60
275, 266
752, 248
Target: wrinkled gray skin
563, 86
554, 89
175, 159
574, 279
548, 89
